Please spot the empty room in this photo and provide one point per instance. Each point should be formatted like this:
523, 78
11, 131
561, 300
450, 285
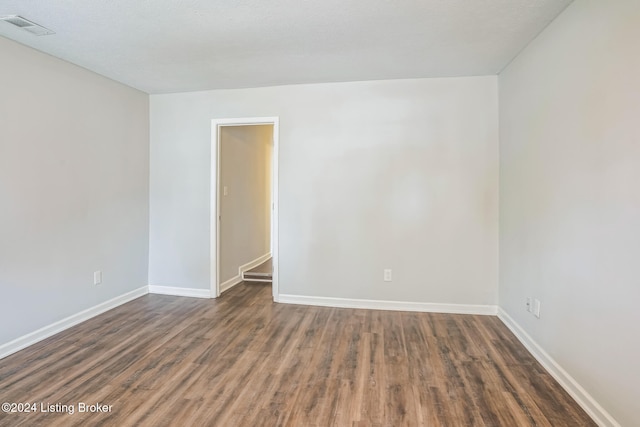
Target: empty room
338, 213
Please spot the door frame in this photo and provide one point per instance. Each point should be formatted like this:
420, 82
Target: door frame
216, 125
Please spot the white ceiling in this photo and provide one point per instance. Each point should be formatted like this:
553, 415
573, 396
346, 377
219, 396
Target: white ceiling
161, 46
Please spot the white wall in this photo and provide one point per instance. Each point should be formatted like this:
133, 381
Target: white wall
73, 189
382, 174
245, 170
570, 196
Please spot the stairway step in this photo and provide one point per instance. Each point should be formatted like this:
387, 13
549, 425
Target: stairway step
260, 273
259, 277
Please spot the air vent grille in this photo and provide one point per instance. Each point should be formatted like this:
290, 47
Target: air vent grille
18, 22
25, 24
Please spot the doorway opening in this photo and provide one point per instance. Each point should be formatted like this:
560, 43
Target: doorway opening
244, 202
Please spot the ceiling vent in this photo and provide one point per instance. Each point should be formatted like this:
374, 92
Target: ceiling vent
26, 25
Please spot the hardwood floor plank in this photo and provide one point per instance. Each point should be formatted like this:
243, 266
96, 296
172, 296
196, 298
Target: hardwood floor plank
242, 360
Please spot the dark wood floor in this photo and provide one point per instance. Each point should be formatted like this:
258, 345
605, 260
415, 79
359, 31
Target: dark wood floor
243, 361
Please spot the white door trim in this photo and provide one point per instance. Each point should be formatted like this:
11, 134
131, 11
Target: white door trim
216, 124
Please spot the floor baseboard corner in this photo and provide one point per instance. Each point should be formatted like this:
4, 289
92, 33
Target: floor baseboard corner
31, 338
424, 307
226, 285
599, 415
179, 292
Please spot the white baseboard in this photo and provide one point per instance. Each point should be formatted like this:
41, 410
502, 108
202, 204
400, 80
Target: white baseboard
59, 326
253, 264
579, 394
225, 286
228, 284
389, 305
180, 292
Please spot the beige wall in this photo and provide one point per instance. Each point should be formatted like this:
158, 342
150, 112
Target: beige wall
245, 171
570, 197
74, 173
384, 174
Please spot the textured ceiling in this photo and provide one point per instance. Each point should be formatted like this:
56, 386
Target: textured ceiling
162, 46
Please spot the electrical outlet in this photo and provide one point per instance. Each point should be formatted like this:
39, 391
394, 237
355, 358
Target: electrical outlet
387, 275
97, 277
529, 304
536, 308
